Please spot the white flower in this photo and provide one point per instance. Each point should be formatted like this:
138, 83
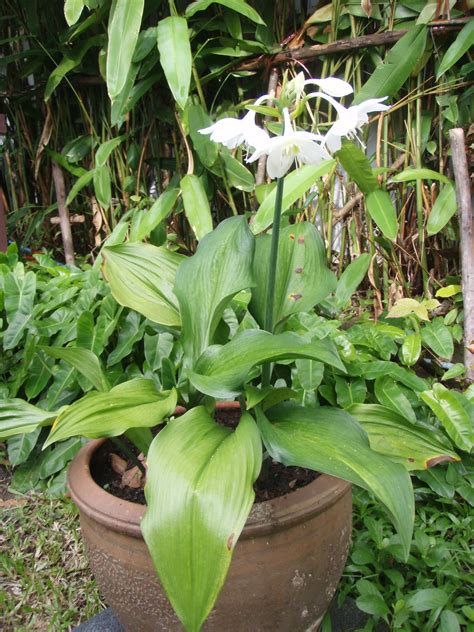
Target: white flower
332, 85
282, 151
233, 132
350, 120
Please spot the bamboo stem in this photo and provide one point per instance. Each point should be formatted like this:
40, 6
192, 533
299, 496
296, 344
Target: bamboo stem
466, 227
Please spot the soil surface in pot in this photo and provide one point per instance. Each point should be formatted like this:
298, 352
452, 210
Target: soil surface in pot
275, 479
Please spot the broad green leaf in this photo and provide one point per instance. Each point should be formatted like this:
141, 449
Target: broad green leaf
350, 391
206, 149
408, 378
70, 61
437, 337
390, 395
351, 278
199, 493
78, 185
130, 331
222, 369
85, 361
449, 622
237, 5
20, 446
357, 165
141, 276
406, 306
175, 56
420, 174
398, 65
102, 186
124, 26
456, 370
302, 277
196, 205
20, 292
463, 42
207, 281
40, 372
73, 10
18, 417
310, 373
120, 103
297, 183
372, 604
331, 441
411, 349
427, 599
452, 414
381, 210
449, 290
134, 404
105, 149
56, 458
145, 44
158, 212
443, 209
238, 176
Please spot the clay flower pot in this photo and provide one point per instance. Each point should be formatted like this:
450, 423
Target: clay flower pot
285, 569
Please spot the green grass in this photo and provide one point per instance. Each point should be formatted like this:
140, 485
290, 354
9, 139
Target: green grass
433, 590
46, 583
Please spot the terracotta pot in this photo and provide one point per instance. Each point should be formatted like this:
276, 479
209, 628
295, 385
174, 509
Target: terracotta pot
285, 569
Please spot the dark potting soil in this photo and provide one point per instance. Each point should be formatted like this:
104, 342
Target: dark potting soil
275, 479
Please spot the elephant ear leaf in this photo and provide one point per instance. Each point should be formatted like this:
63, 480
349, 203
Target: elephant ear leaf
141, 276
302, 278
199, 492
207, 281
330, 440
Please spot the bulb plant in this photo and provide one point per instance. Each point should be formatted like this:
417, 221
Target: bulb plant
200, 474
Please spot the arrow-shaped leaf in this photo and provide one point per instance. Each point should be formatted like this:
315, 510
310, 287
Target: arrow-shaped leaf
199, 493
222, 369
331, 441
133, 404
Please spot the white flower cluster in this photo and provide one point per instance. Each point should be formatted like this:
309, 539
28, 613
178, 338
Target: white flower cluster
308, 148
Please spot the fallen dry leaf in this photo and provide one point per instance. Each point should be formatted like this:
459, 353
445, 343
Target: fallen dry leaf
132, 478
118, 464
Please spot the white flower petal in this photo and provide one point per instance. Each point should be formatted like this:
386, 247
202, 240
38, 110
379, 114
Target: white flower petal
333, 142
288, 126
346, 123
372, 105
312, 154
333, 86
279, 162
256, 137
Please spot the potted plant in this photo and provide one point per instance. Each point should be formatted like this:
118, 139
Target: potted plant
227, 307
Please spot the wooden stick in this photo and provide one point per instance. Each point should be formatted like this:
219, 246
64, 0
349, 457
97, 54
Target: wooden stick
463, 198
339, 46
63, 212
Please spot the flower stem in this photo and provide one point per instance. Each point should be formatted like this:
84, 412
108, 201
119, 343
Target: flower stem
268, 323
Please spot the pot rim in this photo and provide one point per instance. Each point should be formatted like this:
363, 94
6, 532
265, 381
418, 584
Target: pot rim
267, 516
